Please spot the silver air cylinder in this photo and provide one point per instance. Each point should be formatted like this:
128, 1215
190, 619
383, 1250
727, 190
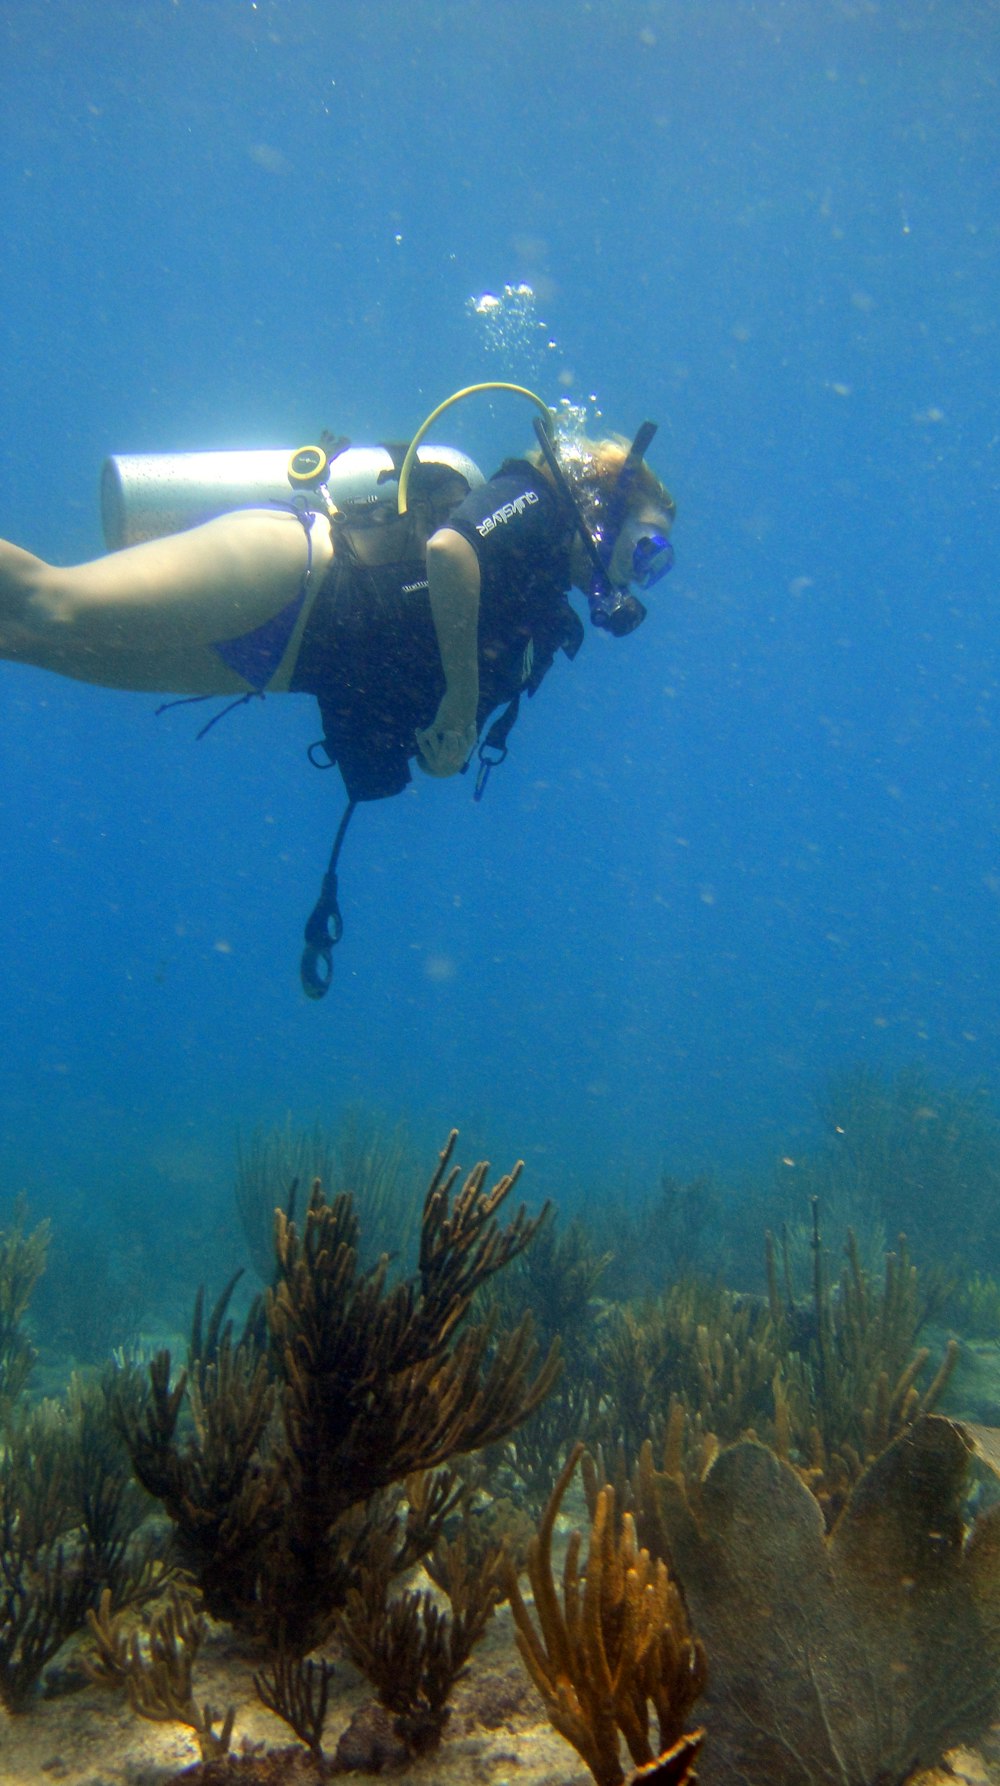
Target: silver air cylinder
147, 495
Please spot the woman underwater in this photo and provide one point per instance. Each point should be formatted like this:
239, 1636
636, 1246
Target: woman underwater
409, 633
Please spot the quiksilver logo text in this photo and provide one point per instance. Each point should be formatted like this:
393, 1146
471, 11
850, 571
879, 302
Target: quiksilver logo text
501, 516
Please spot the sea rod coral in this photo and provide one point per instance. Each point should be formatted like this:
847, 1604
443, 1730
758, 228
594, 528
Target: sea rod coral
295, 1449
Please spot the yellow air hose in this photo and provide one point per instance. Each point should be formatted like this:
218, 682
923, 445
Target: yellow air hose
470, 390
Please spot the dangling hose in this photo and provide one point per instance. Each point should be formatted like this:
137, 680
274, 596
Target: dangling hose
316, 967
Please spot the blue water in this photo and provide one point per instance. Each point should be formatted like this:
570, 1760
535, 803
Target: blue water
750, 844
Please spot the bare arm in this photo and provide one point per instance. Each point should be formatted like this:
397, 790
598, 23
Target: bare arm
453, 588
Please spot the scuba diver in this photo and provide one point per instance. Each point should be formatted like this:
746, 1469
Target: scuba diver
412, 608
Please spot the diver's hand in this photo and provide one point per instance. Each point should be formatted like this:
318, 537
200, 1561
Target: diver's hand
447, 744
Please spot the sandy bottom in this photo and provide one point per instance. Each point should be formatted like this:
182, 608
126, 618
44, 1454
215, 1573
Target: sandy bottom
497, 1732
497, 1735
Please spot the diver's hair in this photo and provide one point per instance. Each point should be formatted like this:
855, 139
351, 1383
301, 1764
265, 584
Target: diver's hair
592, 468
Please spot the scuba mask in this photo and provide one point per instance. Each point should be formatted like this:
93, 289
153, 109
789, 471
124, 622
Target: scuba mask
612, 604
651, 553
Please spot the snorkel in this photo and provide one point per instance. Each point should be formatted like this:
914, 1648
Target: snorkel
612, 605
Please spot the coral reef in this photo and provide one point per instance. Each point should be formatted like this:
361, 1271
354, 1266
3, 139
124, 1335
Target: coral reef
365, 1156
297, 1691
827, 1380
555, 1281
974, 1305
715, 1352
619, 1641
70, 1520
158, 1675
99, 1283
413, 1651
857, 1654
22, 1261
849, 1378
682, 1229
916, 1152
278, 1488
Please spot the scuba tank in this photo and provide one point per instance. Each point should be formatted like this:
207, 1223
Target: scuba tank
147, 495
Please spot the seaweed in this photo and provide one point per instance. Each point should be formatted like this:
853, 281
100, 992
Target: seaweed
22, 1261
411, 1649
619, 1641
158, 1675
70, 1521
854, 1654
278, 1486
297, 1691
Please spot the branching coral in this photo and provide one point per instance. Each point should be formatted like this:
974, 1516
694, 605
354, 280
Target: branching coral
556, 1282
158, 1676
365, 1156
828, 1382
275, 1512
69, 1520
715, 1352
222, 1503
619, 1642
849, 1383
410, 1648
297, 1691
22, 1261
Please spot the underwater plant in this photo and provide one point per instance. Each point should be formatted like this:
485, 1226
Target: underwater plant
158, 1674
22, 1261
555, 1280
364, 1155
295, 1454
619, 1642
412, 1650
849, 1381
856, 1654
921, 1154
70, 1526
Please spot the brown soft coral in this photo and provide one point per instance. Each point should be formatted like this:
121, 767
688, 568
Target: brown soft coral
854, 1656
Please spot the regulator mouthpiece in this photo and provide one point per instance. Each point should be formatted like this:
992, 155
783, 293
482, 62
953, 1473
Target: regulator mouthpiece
617, 611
